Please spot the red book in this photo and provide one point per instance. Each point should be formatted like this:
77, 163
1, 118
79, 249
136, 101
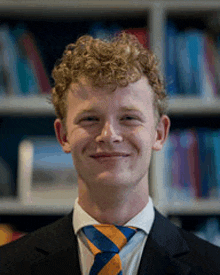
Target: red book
142, 35
36, 61
210, 63
193, 163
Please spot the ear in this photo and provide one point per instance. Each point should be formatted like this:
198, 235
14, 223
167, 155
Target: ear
61, 135
162, 132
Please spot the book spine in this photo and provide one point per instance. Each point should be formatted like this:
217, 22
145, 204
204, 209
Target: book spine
36, 63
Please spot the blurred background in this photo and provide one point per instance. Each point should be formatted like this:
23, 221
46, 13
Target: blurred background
185, 36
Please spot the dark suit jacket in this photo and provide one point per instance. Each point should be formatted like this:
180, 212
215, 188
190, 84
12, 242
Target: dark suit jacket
53, 250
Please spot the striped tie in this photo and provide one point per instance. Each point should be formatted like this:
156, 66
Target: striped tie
105, 241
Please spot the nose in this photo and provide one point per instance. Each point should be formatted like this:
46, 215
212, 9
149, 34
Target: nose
109, 134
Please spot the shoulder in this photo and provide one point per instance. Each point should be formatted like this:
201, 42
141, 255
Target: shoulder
28, 249
202, 254
191, 239
202, 249
185, 247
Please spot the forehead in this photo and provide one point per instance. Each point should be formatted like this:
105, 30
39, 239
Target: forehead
84, 94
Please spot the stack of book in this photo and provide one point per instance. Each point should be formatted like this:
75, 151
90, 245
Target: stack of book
192, 164
22, 70
105, 31
192, 63
21, 67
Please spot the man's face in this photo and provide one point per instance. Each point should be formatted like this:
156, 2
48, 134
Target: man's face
111, 134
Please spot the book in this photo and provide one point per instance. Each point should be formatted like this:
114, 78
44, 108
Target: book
192, 160
184, 69
172, 85
32, 72
216, 152
176, 183
6, 179
192, 164
103, 30
3, 74
10, 61
142, 35
36, 62
210, 77
192, 63
212, 165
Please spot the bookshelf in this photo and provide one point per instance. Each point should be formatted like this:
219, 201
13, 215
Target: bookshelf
57, 18
35, 105
39, 105
15, 207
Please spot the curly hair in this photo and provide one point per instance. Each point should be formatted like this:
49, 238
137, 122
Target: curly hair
120, 60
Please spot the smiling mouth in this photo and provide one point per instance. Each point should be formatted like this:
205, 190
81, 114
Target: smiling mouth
109, 155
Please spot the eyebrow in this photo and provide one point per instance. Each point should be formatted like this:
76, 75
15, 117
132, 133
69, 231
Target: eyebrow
123, 108
89, 110
129, 108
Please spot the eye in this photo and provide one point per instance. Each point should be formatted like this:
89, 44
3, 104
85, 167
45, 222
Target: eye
130, 120
89, 120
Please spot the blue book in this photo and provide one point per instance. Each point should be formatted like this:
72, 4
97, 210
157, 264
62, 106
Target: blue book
104, 31
3, 74
185, 144
184, 68
191, 62
218, 62
171, 59
205, 159
178, 162
195, 48
6, 179
171, 174
26, 72
216, 151
10, 61
211, 165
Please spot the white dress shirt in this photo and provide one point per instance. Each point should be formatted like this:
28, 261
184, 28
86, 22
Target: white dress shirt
130, 254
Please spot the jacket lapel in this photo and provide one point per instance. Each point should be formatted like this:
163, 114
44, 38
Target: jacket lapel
58, 250
164, 245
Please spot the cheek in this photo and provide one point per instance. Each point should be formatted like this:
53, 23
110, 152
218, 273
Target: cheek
80, 141
142, 140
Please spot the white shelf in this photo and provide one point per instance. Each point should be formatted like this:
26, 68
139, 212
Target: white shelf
40, 105
77, 4
172, 4
14, 207
193, 207
77, 8
190, 5
21, 105
193, 105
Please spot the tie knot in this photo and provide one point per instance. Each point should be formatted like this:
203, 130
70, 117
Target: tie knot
107, 237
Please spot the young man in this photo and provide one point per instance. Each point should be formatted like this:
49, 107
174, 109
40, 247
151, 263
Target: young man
111, 115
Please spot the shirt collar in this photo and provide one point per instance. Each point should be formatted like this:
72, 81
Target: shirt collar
143, 220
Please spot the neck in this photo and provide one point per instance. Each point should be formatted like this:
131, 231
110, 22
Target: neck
113, 205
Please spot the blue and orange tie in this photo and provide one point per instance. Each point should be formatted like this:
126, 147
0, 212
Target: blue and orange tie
105, 241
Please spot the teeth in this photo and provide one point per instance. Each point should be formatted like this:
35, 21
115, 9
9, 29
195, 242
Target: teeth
96, 156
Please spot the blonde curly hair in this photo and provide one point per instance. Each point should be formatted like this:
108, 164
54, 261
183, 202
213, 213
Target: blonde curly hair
120, 60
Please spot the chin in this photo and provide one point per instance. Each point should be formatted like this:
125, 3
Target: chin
113, 179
